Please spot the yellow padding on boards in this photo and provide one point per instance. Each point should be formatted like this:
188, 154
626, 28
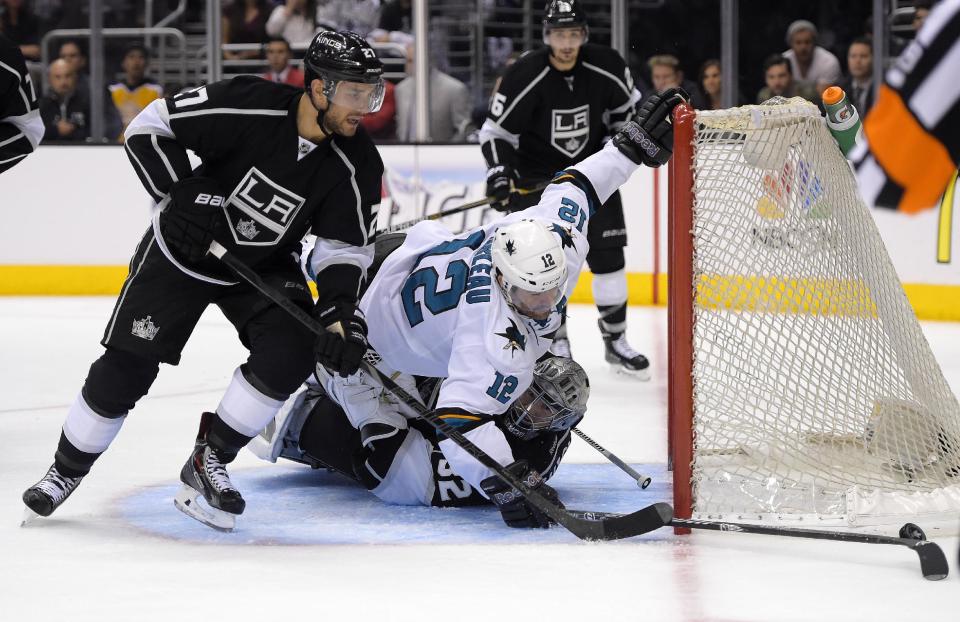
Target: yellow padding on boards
61, 280
795, 296
931, 302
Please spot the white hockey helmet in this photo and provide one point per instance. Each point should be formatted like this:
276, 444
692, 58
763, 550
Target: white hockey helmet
530, 267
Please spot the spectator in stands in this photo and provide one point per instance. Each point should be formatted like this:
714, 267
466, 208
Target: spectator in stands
382, 124
396, 23
449, 108
710, 85
278, 59
859, 84
665, 73
921, 8
359, 16
72, 52
294, 21
779, 79
64, 110
810, 63
21, 26
245, 21
136, 90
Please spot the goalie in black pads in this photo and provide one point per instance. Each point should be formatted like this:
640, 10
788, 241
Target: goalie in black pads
406, 466
278, 162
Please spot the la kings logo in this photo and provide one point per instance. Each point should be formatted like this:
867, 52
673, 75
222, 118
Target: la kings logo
570, 129
264, 203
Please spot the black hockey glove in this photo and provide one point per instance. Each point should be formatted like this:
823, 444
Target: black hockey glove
341, 349
190, 221
500, 181
513, 506
648, 139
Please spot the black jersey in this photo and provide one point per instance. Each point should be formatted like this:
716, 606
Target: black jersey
19, 116
280, 186
542, 120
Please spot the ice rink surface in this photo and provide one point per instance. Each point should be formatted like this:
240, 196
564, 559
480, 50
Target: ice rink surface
313, 547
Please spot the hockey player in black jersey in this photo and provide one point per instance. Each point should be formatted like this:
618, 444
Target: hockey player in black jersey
554, 107
278, 162
20, 125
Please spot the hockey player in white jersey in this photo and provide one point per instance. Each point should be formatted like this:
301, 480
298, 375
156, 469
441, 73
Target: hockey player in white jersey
481, 309
404, 465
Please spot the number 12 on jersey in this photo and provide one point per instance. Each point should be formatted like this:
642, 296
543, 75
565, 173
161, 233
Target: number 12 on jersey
502, 387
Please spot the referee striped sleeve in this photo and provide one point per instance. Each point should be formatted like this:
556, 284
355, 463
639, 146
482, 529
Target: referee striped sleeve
913, 131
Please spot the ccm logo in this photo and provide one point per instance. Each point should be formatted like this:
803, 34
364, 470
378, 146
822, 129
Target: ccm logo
210, 199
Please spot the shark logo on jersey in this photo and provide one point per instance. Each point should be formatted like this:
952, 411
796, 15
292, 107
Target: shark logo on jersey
565, 234
515, 339
570, 129
265, 203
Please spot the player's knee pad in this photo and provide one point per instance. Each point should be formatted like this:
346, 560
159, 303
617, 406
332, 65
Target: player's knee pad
281, 357
380, 444
117, 380
606, 260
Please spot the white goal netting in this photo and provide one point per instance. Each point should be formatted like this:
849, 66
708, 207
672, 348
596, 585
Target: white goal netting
816, 395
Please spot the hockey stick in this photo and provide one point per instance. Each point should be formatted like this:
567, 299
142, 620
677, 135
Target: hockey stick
642, 480
456, 210
608, 528
933, 563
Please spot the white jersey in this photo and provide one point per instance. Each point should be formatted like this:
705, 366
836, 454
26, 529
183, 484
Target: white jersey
433, 309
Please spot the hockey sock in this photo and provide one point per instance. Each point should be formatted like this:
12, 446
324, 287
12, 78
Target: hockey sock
86, 434
244, 410
610, 295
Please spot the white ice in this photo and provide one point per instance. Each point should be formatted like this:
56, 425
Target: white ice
311, 547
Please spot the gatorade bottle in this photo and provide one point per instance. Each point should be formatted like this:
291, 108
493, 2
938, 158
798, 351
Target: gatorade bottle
842, 119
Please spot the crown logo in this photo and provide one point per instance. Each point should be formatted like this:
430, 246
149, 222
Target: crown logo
247, 229
572, 144
145, 329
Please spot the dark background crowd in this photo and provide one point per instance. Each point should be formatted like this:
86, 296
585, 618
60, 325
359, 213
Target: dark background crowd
788, 49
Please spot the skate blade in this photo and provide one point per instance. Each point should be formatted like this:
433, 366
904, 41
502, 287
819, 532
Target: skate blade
29, 516
192, 503
642, 375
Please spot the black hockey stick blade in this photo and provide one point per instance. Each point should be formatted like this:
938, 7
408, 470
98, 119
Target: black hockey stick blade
607, 526
604, 528
933, 563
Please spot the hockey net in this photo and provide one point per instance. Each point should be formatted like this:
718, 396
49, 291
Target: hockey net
802, 387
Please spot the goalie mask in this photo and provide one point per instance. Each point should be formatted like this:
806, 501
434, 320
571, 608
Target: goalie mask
555, 401
530, 267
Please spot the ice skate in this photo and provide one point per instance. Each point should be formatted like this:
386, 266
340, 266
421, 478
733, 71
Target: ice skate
622, 357
207, 493
46, 495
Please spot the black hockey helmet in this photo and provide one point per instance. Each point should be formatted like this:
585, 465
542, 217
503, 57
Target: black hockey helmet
343, 57
564, 14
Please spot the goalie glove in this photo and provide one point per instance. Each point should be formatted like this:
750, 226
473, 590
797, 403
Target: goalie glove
513, 506
648, 139
190, 221
341, 348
